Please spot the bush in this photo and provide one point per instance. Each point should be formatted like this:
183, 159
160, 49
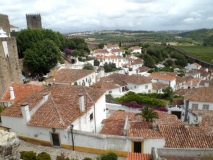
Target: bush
43, 156
87, 158
28, 155
108, 156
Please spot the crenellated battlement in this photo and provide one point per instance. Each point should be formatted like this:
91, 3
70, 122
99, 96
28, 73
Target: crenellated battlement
33, 21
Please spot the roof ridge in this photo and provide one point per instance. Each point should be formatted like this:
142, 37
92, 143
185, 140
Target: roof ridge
56, 111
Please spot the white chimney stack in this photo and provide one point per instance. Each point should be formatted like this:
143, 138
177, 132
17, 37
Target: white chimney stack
12, 95
25, 111
81, 103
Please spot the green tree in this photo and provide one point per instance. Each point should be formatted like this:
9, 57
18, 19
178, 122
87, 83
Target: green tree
148, 114
101, 45
169, 63
96, 62
149, 61
168, 92
88, 66
28, 37
43, 56
109, 67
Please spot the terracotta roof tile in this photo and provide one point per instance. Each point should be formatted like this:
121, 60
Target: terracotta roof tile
181, 92
138, 156
97, 51
109, 45
193, 82
158, 85
20, 90
203, 94
184, 158
180, 137
116, 50
177, 101
69, 75
137, 79
143, 69
134, 48
196, 64
61, 108
119, 79
162, 76
105, 83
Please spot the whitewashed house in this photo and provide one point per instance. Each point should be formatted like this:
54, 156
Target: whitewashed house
117, 52
48, 114
142, 70
193, 66
139, 84
197, 99
157, 87
13, 28
164, 78
73, 77
110, 47
135, 49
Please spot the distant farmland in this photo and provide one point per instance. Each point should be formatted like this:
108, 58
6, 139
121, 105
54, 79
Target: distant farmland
199, 52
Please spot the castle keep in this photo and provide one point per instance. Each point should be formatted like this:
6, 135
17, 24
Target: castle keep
5, 24
9, 65
33, 21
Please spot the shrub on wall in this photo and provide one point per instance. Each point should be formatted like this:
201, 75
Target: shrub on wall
131, 96
28, 155
108, 156
43, 156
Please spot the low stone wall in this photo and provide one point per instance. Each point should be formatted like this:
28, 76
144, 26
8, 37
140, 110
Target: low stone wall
160, 153
112, 106
9, 144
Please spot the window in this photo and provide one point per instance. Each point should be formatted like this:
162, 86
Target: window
146, 86
86, 79
194, 106
205, 107
91, 116
135, 87
110, 92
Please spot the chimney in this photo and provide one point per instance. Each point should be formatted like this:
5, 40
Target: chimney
25, 111
12, 95
206, 84
81, 103
186, 126
125, 126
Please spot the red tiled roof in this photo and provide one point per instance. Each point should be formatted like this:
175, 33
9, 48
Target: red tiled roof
138, 156
109, 45
180, 137
134, 48
116, 50
11, 26
193, 82
184, 158
100, 51
181, 92
143, 69
61, 108
69, 75
106, 83
158, 85
203, 94
177, 101
137, 79
162, 76
196, 64
119, 78
143, 129
20, 90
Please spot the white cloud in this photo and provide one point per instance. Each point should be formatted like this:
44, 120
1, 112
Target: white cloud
81, 15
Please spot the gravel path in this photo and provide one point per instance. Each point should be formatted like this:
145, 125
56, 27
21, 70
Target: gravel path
54, 151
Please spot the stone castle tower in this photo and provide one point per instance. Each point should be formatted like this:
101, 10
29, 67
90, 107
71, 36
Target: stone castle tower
5, 24
33, 21
9, 64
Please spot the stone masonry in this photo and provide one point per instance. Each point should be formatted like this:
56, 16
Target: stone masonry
5, 24
9, 144
33, 21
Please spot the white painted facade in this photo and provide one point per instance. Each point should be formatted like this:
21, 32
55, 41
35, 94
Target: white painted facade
85, 81
157, 143
171, 83
142, 88
192, 66
136, 51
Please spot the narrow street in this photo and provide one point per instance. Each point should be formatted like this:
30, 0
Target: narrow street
54, 151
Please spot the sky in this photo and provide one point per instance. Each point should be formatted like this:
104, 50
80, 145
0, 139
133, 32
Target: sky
68, 16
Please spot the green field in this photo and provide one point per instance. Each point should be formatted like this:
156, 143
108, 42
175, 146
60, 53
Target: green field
200, 52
